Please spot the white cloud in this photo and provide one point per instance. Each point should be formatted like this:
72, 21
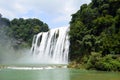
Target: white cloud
54, 12
7, 13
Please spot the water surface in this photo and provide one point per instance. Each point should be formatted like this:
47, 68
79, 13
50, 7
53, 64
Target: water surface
56, 74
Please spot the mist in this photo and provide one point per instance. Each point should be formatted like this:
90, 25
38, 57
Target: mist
9, 55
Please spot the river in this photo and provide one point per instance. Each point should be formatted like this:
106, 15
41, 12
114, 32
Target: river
55, 74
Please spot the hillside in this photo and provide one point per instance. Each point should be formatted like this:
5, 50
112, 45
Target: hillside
21, 30
95, 36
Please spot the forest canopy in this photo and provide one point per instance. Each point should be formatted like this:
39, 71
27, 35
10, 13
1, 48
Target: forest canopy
22, 30
95, 31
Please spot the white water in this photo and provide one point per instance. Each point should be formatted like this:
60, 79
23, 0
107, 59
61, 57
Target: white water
52, 46
34, 68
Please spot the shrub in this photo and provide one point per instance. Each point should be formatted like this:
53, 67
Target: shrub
106, 63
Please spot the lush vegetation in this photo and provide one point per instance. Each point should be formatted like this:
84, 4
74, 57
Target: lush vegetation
22, 30
95, 35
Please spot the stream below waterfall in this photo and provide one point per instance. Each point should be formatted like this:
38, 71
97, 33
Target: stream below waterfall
50, 73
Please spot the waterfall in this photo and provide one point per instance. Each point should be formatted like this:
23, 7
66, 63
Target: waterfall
52, 46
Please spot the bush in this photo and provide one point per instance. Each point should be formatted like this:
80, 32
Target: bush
94, 57
106, 63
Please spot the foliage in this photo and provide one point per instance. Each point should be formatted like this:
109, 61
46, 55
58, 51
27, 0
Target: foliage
106, 63
4, 21
25, 29
96, 28
22, 30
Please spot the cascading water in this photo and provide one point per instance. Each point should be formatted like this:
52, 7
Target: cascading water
52, 46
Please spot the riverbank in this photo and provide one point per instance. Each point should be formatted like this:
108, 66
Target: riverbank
76, 65
97, 62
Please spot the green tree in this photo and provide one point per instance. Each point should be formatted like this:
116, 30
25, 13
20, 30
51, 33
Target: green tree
24, 29
96, 28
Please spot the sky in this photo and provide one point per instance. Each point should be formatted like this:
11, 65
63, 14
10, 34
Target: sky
56, 13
